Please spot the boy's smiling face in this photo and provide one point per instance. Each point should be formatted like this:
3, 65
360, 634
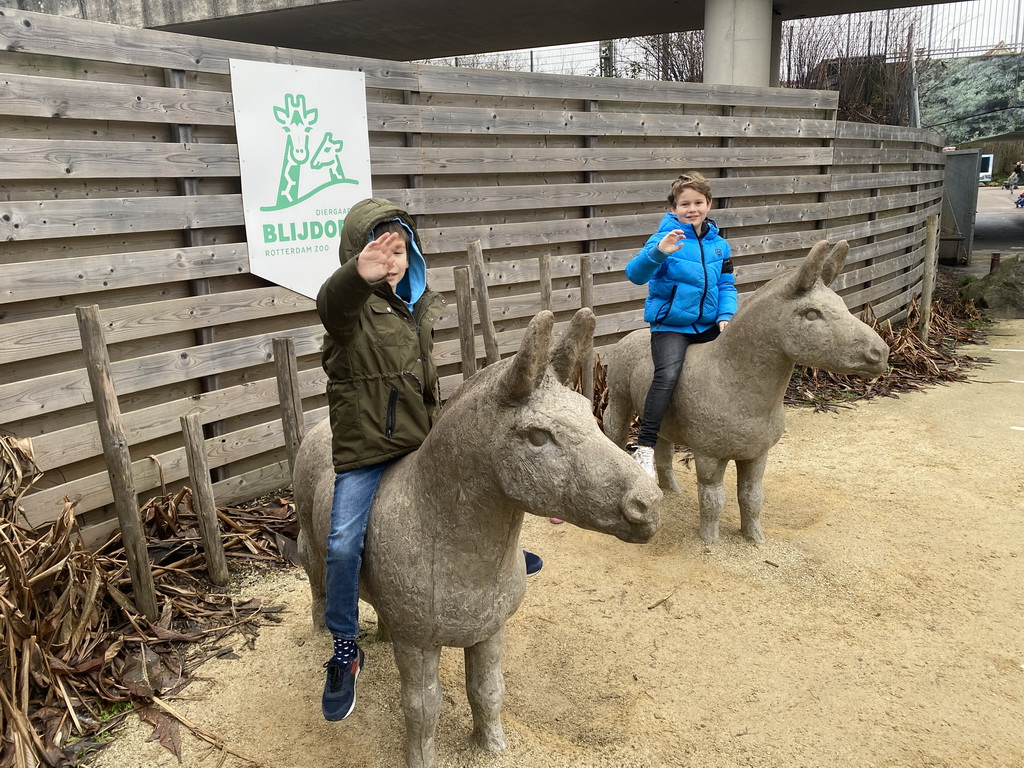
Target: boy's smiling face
691, 208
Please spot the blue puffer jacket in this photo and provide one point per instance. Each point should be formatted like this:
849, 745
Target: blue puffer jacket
690, 290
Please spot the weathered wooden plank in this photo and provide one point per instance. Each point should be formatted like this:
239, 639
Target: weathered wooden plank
877, 132
880, 249
47, 394
94, 490
526, 234
434, 79
526, 270
903, 282
877, 271
64, 159
75, 38
54, 335
57, 98
80, 442
442, 200
41, 219
387, 160
891, 202
30, 280
883, 157
492, 121
882, 225
845, 182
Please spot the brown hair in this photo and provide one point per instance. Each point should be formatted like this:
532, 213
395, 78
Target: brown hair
689, 180
391, 226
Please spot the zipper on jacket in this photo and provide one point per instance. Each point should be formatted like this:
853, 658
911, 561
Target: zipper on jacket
392, 417
704, 269
667, 309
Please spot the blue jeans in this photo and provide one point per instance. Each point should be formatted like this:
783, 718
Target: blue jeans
668, 350
350, 510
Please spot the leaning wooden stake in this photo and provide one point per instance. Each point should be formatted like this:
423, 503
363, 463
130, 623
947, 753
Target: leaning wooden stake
483, 304
118, 459
202, 494
587, 300
464, 305
545, 281
931, 256
288, 396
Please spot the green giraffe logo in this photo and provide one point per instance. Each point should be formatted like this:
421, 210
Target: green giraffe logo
297, 122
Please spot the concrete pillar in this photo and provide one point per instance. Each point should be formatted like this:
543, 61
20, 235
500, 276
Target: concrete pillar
737, 42
775, 63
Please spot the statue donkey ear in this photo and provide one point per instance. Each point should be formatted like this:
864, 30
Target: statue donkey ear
834, 262
811, 269
574, 345
531, 361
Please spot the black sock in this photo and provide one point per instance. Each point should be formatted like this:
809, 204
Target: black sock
344, 649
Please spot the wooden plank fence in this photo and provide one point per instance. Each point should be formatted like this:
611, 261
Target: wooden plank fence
120, 187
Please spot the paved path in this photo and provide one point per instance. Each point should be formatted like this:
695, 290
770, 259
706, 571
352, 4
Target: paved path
999, 225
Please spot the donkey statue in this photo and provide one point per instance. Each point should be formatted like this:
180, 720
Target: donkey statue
728, 403
442, 564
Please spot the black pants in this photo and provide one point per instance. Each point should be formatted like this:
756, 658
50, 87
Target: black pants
668, 350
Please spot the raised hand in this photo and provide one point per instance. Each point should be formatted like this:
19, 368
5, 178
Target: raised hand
378, 257
670, 242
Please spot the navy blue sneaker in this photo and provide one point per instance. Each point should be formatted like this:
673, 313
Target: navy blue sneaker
533, 563
340, 689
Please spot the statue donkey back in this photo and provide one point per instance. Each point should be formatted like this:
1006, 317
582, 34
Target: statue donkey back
729, 400
442, 564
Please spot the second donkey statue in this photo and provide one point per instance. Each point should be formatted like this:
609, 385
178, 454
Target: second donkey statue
443, 565
728, 402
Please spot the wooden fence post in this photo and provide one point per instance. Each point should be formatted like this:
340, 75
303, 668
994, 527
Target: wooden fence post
545, 281
931, 256
587, 300
119, 460
483, 303
464, 305
202, 495
288, 396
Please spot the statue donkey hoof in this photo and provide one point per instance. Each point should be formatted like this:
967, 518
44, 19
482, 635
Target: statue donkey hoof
753, 532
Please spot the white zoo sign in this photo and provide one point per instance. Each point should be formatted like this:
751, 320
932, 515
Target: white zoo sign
304, 153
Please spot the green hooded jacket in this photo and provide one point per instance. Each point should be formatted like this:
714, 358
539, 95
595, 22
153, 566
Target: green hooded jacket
382, 385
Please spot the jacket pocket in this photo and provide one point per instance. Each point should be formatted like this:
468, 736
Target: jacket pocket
392, 415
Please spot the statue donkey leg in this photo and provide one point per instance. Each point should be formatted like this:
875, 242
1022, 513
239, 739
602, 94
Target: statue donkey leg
618, 414
312, 560
710, 494
421, 700
750, 489
663, 455
485, 687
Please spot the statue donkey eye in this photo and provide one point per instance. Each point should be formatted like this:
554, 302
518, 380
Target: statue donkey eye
539, 437
812, 314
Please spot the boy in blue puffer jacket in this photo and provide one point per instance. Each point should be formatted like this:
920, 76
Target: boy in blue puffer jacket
691, 295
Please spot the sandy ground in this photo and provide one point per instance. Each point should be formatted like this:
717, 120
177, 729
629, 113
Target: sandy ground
881, 625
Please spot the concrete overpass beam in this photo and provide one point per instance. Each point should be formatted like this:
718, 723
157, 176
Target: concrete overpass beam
776, 55
738, 42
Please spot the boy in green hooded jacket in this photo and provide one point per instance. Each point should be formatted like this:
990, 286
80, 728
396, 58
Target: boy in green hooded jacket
383, 398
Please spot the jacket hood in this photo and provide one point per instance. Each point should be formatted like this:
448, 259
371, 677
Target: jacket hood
358, 231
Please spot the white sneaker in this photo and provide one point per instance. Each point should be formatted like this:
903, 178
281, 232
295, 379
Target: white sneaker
644, 456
